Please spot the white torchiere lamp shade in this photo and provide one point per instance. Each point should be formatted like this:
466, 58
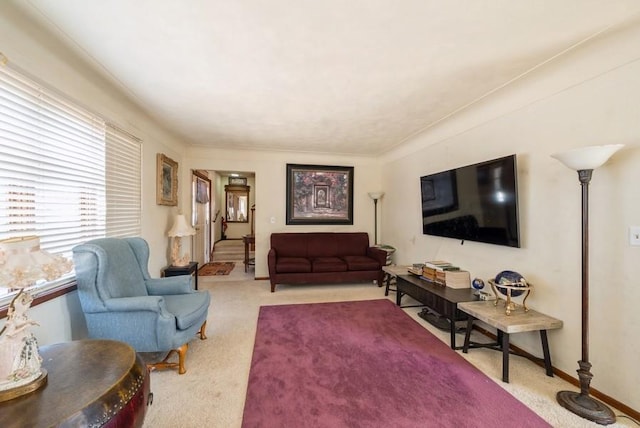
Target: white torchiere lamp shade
179, 229
584, 158
584, 161
23, 264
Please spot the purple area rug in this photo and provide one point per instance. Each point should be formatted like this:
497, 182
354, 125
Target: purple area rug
366, 364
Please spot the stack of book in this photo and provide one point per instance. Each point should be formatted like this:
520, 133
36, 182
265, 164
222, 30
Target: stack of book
435, 270
445, 273
390, 250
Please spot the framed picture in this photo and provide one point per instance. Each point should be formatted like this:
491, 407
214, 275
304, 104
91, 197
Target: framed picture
318, 194
167, 181
202, 191
238, 180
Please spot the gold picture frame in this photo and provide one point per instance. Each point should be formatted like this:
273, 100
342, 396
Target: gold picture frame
167, 181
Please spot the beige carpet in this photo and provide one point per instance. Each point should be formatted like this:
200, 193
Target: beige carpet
231, 250
212, 392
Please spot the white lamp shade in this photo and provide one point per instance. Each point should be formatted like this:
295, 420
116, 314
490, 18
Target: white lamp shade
23, 263
181, 227
376, 195
587, 157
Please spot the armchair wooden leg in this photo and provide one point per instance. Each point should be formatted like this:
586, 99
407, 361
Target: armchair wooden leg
165, 364
202, 333
182, 355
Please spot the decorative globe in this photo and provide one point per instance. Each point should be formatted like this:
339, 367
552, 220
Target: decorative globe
477, 283
512, 279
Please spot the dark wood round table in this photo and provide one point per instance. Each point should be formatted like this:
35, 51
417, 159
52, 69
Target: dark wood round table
91, 383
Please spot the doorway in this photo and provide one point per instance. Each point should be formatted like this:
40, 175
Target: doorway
201, 216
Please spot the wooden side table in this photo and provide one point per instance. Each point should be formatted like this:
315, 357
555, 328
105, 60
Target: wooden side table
517, 322
190, 269
90, 383
391, 272
248, 240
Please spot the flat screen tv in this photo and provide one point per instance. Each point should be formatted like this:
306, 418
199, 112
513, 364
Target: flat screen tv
476, 202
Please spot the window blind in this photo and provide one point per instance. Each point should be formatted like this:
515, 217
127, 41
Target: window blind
52, 179
65, 174
124, 183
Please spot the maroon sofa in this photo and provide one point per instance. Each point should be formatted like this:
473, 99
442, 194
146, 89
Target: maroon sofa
323, 257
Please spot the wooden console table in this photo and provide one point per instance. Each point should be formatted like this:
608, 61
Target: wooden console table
91, 383
517, 322
440, 299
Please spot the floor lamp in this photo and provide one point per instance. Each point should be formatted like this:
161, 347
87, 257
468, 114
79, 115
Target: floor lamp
585, 160
375, 196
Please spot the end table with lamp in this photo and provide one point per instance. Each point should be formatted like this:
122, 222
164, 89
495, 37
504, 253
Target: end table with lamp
189, 269
180, 264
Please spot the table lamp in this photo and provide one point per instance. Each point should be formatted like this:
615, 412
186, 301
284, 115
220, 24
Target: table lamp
23, 264
180, 228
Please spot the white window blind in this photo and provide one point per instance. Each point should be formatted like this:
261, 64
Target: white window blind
65, 175
124, 187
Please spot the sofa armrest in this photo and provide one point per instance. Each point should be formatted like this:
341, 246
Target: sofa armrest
377, 254
272, 256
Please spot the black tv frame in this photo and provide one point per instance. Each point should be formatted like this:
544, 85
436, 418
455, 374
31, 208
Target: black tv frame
447, 212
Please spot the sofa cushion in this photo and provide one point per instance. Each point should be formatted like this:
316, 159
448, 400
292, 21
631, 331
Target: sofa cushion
328, 264
321, 245
293, 264
351, 244
361, 263
188, 308
290, 244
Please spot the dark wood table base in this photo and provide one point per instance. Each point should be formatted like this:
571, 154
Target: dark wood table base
438, 298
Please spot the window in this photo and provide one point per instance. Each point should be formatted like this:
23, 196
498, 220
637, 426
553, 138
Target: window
65, 175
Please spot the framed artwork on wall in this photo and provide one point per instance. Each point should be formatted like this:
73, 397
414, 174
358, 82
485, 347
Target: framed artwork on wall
319, 194
238, 180
167, 181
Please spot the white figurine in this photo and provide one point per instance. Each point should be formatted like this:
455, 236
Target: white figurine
20, 360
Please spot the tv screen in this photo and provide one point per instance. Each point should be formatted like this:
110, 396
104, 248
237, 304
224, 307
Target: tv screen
473, 203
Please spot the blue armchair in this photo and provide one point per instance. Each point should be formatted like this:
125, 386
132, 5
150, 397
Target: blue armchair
122, 302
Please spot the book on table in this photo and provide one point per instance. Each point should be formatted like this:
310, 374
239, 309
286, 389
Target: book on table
437, 264
457, 279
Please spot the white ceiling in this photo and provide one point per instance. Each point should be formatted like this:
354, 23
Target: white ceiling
334, 76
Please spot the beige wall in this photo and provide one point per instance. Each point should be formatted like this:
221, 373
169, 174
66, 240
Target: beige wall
588, 98
269, 190
37, 53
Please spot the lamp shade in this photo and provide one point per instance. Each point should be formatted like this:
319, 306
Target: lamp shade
181, 227
376, 195
587, 157
23, 263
